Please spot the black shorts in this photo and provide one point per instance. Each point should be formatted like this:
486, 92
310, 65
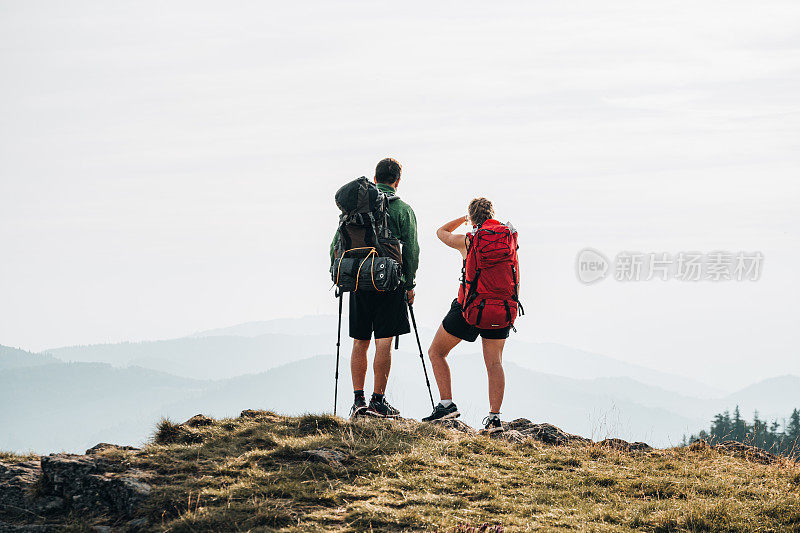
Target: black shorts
455, 324
384, 313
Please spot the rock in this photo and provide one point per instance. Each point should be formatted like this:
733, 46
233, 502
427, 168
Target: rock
18, 490
198, 421
454, 424
259, 413
619, 444
546, 433
736, 449
88, 484
101, 529
744, 451
326, 455
510, 435
16, 484
103, 446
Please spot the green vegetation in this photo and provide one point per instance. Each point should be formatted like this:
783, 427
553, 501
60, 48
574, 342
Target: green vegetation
253, 474
781, 439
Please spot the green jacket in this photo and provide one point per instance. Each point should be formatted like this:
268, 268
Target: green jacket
403, 225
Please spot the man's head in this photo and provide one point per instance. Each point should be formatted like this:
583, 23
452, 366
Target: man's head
388, 172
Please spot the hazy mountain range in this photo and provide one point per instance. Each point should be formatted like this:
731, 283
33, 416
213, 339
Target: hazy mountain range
73, 397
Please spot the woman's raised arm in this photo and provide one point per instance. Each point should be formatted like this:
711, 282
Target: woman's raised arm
454, 240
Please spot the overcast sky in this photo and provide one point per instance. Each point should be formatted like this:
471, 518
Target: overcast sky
170, 167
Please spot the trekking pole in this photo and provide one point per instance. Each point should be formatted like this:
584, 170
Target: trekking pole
421, 357
338, 343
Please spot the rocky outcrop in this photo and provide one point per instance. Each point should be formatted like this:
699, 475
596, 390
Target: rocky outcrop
258, 413
104, 446
737, 449
619, 444
546, 433
20, 490
744, 451
198, 421
62, 483
89, 484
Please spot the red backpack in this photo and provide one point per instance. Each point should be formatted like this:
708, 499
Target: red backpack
489, 292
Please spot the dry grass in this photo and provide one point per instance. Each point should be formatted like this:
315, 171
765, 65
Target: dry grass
251, 474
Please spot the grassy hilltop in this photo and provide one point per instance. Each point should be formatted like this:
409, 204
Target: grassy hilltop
265, 472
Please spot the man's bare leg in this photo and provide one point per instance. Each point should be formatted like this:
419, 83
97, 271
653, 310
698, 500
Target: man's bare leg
442, 343
382, 364
358, 363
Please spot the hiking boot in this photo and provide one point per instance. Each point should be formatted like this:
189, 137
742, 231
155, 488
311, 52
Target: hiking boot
382, 409
492, 425
440, 412
359, 408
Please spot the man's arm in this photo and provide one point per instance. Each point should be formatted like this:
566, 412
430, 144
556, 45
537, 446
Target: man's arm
408, 234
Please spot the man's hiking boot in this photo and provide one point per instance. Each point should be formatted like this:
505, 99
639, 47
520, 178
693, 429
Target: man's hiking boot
440, 412
359, 408
492, 424
382, 409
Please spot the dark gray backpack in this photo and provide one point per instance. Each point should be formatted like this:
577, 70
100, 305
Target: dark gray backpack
367, 256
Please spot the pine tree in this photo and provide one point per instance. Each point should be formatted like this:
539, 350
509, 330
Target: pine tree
757, 436
793, 427
738, 432
792, 439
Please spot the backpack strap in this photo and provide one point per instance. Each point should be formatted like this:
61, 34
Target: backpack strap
480, 311
374, 227
516, 291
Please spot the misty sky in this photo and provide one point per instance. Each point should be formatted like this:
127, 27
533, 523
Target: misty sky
170, 167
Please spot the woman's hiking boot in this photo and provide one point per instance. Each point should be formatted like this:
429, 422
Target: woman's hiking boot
440, 412
492, 424
380, 408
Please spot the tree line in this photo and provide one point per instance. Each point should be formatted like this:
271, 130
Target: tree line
778, 438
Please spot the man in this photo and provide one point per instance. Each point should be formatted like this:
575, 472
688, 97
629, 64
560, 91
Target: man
383, 314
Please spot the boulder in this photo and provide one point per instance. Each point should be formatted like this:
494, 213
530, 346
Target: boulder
19, 484
546, 433
89, 484
103, 446
619, 444
744, 451
259, 413
198, 421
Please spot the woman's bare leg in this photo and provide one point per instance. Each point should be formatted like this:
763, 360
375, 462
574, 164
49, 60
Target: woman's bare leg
442, 343
493, 357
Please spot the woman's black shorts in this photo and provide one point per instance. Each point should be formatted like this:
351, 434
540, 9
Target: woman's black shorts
455, 324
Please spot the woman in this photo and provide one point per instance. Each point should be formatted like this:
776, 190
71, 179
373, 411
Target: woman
454, 327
